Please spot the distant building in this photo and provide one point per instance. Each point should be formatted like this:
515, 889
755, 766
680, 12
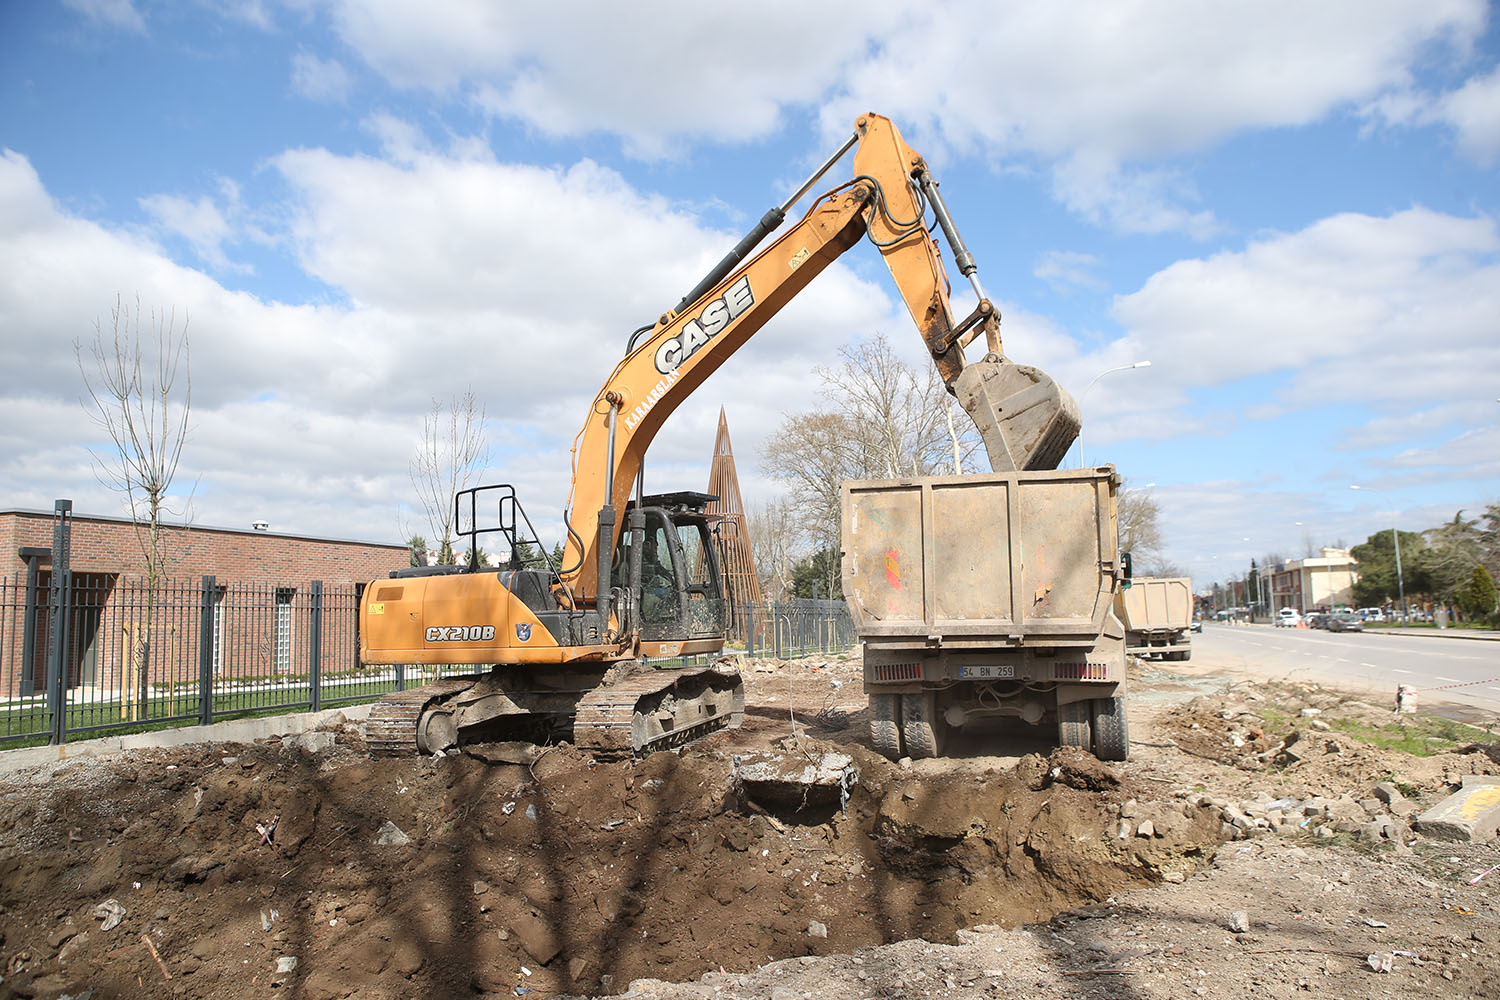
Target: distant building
1322, 581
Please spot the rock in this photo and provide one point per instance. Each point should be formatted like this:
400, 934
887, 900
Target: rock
1381, 962
1470, 814
391, 835
1146, 829
1173, 877
313, 742
62, 935
536, 936
817, 929
111, 912
285, 964
1239, 922
1309, 713
71, 950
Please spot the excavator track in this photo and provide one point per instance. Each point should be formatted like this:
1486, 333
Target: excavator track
658, 709
391, 727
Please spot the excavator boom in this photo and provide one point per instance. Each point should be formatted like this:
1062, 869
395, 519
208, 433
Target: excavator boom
1024, 418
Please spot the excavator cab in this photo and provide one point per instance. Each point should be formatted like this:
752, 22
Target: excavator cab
667, 566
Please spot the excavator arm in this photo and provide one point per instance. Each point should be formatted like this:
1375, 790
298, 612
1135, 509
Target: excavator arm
1024, 418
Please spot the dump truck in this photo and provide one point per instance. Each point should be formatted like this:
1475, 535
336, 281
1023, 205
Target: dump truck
988, 596
1157, 613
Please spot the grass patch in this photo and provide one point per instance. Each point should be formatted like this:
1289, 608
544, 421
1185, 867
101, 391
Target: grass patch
1419, 736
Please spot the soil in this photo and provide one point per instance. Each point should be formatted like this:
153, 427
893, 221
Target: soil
1242, 850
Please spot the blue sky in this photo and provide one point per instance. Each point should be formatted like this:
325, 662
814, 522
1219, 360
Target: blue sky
1289, 209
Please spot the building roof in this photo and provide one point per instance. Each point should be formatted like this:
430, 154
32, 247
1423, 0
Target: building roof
48, 514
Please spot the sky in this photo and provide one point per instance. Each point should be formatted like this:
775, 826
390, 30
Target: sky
357, 206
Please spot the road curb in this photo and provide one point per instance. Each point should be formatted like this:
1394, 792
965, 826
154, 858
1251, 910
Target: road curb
232, 731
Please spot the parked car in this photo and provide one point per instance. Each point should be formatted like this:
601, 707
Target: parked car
1346, 621
1372, 614
1317, 619
1288, 618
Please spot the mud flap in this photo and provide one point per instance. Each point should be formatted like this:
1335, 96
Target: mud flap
1027, 420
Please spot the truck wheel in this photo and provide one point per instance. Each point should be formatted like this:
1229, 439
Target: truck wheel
1111, 729
1073, 727
885, 724
921, 729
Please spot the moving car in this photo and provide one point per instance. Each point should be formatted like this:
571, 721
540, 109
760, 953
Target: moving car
1288, 618
1345, 622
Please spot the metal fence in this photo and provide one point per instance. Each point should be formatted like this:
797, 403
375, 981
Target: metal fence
90, 654
795, 627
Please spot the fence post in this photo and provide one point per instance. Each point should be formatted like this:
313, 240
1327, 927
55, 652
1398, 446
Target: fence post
61, 600
315, 646
206, 652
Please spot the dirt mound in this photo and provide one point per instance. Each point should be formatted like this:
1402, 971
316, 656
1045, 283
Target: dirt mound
453, 875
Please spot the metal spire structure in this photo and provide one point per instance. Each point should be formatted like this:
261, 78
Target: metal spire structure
734, 534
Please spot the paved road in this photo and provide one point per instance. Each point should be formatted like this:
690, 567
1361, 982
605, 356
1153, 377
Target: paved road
1463, 673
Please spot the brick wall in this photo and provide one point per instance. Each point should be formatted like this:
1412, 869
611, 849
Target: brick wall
109, 545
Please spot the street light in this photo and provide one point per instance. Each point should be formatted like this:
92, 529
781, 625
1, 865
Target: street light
1085, 392
1396, 541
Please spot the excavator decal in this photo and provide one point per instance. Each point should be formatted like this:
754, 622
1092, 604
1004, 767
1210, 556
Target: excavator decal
639, 410
716, 316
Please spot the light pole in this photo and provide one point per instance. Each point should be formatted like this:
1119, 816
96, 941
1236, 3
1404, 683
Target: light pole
1085, 392
1396, 541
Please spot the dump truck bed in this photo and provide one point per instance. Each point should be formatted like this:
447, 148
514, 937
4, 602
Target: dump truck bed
1015, 558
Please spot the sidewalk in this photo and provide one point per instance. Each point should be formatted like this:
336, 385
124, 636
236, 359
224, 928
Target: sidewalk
1484, 635
1440, 633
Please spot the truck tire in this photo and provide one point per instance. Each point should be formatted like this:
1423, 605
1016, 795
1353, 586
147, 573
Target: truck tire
1073, 726
1111, 729
921, 729
885, 724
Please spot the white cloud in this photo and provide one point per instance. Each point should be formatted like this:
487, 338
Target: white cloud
110, 13
1473, 111
1396, 314
1063, 269
521, 282
1096, 90
323, 80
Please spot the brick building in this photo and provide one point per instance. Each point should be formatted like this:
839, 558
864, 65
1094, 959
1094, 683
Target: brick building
267, 587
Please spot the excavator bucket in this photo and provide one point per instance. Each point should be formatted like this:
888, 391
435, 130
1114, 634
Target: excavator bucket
1026, 420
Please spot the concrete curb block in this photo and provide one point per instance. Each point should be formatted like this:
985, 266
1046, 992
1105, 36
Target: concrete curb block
233, 731
1470, 814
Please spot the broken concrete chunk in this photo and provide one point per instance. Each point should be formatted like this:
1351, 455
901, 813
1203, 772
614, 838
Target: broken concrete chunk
391, 835
1470, 814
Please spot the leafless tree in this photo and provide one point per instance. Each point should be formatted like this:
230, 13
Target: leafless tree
451, 456
778, 544
887, 420
131, 376
131, 373
1140, 531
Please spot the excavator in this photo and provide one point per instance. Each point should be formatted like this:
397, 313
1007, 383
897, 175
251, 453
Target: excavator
565, 652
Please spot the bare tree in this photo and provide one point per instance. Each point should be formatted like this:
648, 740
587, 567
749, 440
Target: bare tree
777, 532
887, 420
131, 375
449, 459
1140, 532
131, 378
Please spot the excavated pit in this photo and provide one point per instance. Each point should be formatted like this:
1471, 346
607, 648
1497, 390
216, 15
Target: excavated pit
565, 875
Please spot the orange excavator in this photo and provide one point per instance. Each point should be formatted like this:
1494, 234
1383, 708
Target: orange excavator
565, 651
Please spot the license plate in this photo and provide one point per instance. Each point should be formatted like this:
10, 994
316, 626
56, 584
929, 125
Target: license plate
987, 671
